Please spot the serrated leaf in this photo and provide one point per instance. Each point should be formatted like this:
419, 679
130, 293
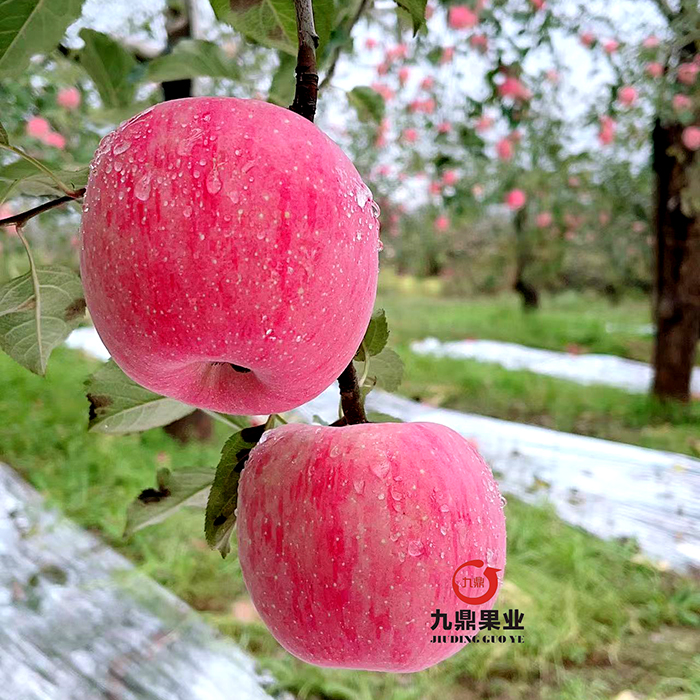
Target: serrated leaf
33, 322
23, 178
376, 336
368, 104
120, 405
283, 81
192, 58
174, 490
110, 66
415, 8
30, 27
379, 417
386, 369
273, 23
220, 517
4, 139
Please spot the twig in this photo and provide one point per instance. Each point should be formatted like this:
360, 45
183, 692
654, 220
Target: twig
350, 396
23, 217
306, 92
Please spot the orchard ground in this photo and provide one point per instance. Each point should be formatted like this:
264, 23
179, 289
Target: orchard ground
598, 620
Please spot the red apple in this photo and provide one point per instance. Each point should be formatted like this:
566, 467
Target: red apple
69, 98
462, 17
229, 254
37, 127
349, 539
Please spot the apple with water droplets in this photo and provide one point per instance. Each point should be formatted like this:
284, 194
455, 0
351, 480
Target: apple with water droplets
229, 254
349, 539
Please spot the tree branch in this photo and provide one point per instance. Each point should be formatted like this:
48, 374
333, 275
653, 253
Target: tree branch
23, 217
350, 396
665, 9
306, 92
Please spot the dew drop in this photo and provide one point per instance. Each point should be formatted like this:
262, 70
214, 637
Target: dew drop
142, 190
335, 451
121, 147
359, 486
444, 508
213, 183
415, 548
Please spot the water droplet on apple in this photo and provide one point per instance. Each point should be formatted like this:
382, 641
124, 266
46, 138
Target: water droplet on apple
415, 548
444, 508
213, 182
359, 486
121, 147
142, 190
187, 212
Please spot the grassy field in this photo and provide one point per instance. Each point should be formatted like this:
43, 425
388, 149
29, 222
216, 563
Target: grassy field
525, 397
598, 620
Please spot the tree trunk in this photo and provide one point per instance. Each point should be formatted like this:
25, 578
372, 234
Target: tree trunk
677, 293
528, 292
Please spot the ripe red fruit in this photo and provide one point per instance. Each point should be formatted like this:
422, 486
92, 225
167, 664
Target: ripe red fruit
461, 17
69, 98
691, 138
516, 199
654, 69
688, 72
37, 127
349, 539
606, 134
504, 149
627, 95
229, 254
441, 224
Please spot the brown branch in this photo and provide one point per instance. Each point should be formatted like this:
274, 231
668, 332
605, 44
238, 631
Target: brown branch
23, 217
350, 396
306, 93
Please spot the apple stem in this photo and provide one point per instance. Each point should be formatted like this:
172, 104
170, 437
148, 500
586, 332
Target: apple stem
350, 396
306, 92
22, 218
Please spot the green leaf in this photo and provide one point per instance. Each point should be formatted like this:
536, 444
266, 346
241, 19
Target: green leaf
415, 8
22, 178
220, 517
317, 419
174, 490
271, 23
191, 59
120, 405
376, 335
110, 67
368, 104
283, 81
34, 321
4, 139
29, 27
386, 370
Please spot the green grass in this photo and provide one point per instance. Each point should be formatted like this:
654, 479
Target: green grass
526, 397
596, 623
563, 321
